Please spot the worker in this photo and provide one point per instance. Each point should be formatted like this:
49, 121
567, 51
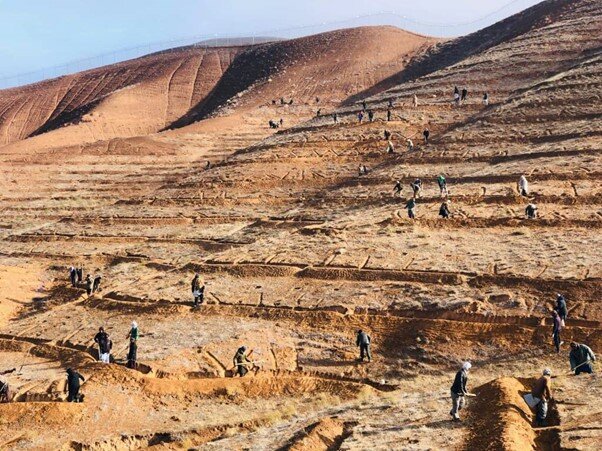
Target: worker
390, 147
561, 308
89, 283
133, 333
73, 386
458, 390
132, 354
457, 98
415, 101
73, 276
557, 327
105, 344
442, 184
426, 133
363, 341
241, 361
444, 210
416, 187
80, 273
5, 393
581, 358
360, 117
464, 94
370, 115
198, 289
485, 99
363, 105
387, 135
410, 144
411, 206
96, 285
531, 211
542, 394
335, 118
388, 115
363, 169
319, 112
523, 186
390, 103
397, 188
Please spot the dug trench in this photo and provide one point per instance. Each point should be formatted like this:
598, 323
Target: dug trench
508, 422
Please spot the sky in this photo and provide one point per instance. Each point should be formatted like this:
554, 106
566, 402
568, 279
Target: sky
39, 34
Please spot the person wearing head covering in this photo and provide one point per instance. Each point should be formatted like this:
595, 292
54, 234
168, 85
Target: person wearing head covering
133, 333
523, 186
458, 390
241, 361
104, 345
411, 207
96, 285
531, 211
363, 341
397, 188
542, 393
89, 283
581, 358
442, 184
198, 290
73, 385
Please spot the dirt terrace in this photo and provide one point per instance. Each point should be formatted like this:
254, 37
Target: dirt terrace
298, 251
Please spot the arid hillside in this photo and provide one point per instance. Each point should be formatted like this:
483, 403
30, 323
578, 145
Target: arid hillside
172, 89
299, 249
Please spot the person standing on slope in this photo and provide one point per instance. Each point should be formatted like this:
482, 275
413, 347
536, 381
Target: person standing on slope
581, 358
561, 308
363, 341
542, 394
104, 345
73, 385
411, 207
523, 186
557, 327
458, 390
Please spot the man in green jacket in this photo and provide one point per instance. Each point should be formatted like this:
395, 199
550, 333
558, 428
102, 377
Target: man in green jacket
581, 357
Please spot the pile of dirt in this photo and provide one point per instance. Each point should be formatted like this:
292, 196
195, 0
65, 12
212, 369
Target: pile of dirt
500, 418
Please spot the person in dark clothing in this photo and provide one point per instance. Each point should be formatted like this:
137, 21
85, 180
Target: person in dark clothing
132, 354
360, 117
416, 187
363, 105
73, 276
581, 358
335, 118
485, 99
281, 121
104, 345
444, 210
73, 385
5, 394
464, 94
363, 341
456, 90
542, 394
390, 104
96, 285
89, 283
557, 322
198, 290
241, 361
426, 133
410, 206
459, 391
80, 274
561, 308
531, 211
387, 135
388, 115
397, 188
370, 115
319, 112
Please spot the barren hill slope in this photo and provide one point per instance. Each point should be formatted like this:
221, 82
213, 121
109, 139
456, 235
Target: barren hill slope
125, 99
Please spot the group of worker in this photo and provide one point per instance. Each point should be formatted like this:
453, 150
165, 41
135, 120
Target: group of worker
92, 283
